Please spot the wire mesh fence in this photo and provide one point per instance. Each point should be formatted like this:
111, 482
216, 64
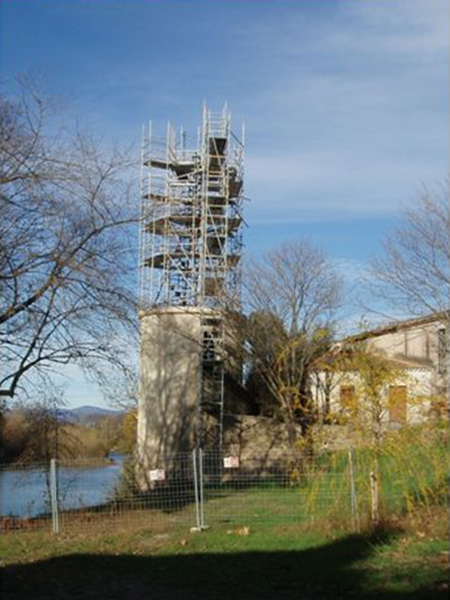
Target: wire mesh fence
199, 489
244, 491
196, 489
89, 494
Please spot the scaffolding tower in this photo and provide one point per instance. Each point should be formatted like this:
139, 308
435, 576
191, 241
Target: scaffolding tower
191, 239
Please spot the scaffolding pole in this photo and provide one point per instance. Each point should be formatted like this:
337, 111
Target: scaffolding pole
191, 239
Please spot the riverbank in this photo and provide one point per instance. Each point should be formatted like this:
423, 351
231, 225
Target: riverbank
35, 433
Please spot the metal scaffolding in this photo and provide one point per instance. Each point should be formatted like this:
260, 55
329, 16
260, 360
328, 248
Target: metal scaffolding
191, 235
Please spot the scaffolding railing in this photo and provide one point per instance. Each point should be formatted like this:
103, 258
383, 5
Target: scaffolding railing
191, 215
191, 232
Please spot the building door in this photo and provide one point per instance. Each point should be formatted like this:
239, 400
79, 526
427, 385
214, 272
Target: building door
397, 403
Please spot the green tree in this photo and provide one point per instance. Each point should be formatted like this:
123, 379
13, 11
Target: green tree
371, 375
129, 431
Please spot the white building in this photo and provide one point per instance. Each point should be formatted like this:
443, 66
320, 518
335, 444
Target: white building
418, 352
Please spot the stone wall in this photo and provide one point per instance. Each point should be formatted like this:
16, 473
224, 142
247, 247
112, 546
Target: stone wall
253, 438
263, 438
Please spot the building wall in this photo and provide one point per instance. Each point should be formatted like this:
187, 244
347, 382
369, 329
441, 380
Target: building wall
418, 342
169, 371
170, 355
419, 389
415, 350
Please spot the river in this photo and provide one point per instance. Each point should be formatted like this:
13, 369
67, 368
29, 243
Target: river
23, 492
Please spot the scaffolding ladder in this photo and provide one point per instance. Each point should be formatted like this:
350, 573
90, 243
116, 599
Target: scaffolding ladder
212, 382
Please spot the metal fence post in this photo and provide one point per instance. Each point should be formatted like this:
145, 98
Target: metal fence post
197, 499
374, 497
353, 499
54, 496
201, 483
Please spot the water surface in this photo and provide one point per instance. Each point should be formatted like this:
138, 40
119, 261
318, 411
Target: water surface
24, 492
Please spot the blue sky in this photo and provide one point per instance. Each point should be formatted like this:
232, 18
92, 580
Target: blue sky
345, 102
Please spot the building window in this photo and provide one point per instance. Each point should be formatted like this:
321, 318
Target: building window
347, 398
397, 403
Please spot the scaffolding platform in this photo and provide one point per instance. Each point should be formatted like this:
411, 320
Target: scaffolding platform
191, 235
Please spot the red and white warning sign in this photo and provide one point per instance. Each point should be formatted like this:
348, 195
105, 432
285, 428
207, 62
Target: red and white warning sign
157, 475
231, 462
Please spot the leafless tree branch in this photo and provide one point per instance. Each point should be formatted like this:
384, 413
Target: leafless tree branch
67, 266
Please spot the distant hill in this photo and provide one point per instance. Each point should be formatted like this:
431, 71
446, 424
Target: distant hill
88, 414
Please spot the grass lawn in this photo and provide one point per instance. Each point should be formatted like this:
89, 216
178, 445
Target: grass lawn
267, 542
407, 561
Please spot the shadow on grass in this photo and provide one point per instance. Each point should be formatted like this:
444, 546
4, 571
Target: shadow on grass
329, 572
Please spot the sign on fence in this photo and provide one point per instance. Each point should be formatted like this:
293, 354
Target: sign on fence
231, 462
157, 475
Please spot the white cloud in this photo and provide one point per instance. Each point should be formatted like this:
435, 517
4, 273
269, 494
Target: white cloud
354, 111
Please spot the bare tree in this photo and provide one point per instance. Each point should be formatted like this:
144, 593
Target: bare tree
293, 293
121, 387
414, 272
46, 431
66, 245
